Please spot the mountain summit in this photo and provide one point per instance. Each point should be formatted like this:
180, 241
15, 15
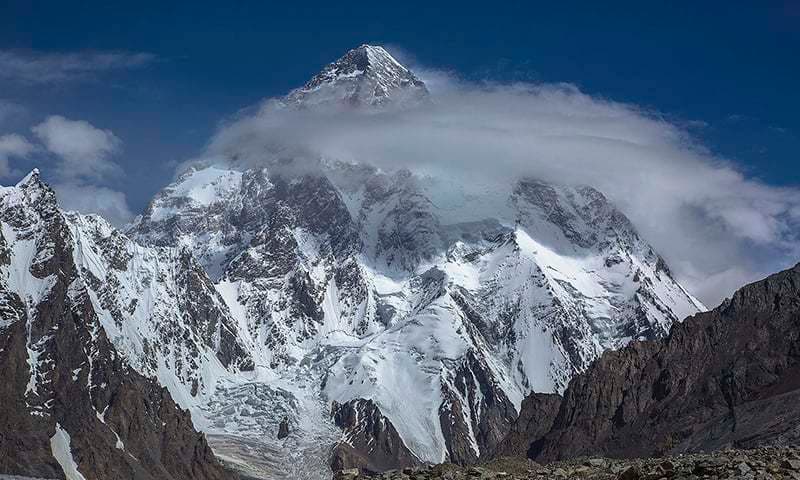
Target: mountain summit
367, 75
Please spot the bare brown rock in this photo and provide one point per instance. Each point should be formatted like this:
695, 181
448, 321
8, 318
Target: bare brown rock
720, 379
372, 443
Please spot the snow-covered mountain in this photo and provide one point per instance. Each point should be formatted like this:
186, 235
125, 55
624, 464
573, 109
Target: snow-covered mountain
70, 404
360, 307
352, 284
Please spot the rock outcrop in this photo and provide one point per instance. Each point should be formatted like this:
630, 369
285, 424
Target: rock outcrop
726, 378
369, 441
536, 418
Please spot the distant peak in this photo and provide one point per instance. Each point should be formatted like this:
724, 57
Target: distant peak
365, 75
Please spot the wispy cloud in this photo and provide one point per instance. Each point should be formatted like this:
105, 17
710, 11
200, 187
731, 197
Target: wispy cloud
84, 166
85, 151
32, 67
85, 198
9, 109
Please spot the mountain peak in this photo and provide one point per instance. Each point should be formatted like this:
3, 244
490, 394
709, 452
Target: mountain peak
366, 75
368, 57
30, 179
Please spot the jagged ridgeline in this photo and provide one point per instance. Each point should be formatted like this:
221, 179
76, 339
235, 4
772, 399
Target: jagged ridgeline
343, 305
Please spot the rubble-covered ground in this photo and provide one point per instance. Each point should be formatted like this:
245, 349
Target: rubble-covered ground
763, 463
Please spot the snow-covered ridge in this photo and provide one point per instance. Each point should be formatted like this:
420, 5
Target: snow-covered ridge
156, 304
159, 309
73, 401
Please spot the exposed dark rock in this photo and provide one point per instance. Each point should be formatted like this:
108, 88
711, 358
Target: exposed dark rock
200, 302
370, 441
473, 402
536, 417
720, 379
283, 428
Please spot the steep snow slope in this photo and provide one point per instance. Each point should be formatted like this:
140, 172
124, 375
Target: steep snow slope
159, 308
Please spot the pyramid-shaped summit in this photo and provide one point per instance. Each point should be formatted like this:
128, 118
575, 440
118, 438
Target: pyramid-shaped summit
367, 75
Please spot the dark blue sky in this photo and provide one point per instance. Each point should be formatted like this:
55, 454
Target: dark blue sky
729, 69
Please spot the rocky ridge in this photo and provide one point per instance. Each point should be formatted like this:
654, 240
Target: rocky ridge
727, 377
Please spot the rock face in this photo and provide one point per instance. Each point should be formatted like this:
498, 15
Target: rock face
369, 441
536, 417
473, 403
159, 308
69, 404
283, 428
720, 379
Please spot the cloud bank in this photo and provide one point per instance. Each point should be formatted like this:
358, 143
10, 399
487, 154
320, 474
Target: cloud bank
37, 68
717, 227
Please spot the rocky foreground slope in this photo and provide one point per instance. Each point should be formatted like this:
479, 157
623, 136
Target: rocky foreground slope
755, 464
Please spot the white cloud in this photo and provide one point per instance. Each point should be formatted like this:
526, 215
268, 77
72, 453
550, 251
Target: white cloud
716, 226
84, 154
110, 204
31, 67
84, 150
13, 145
